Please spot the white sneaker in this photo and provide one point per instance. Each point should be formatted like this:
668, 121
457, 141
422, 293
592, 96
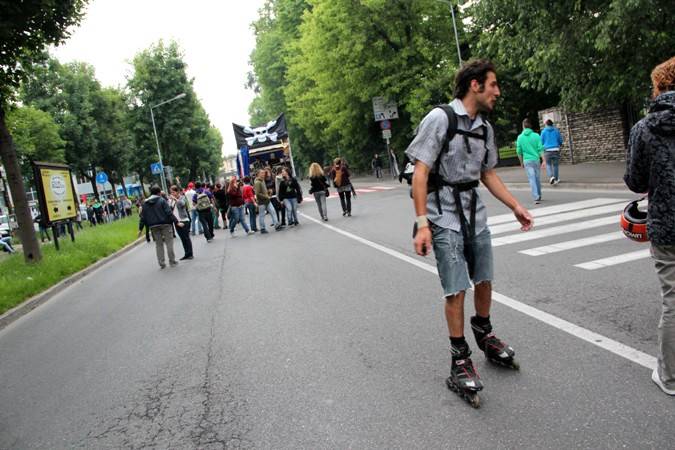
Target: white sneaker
657, 380
557, 180
552, 180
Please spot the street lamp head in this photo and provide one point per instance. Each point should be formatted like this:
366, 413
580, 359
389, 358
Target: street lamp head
179, 96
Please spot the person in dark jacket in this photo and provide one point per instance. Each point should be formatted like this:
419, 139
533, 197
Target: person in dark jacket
235, 199
319, 187
650, 167
156, 214
289, 191
340, 176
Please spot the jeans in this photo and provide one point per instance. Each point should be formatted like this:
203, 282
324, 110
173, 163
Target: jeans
184, 235
452, 268
194, 222
378, 172
262, 209
533, 177
281, 211
206, 220
291, 210
6, 243
664, 261
237, 213
320, 198
250, 209
345, 200
552, 162
163, 235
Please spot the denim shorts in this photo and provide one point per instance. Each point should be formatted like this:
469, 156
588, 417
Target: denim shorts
452, 268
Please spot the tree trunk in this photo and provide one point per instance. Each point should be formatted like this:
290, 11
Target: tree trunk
31, 247
140, 180
94, 186
112, 186
124, 186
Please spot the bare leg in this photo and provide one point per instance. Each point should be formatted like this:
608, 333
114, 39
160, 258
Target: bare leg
454, 314
482, 298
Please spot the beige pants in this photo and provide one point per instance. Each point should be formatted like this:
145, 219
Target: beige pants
664, 260
163, 235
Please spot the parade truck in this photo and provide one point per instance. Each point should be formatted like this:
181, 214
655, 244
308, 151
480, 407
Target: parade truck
262, 146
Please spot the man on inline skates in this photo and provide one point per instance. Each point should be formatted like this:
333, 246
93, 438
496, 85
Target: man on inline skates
455, 148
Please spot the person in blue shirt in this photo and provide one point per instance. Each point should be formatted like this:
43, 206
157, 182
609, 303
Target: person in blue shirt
551, 140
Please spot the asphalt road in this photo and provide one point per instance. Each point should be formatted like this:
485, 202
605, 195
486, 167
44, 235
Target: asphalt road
309, 338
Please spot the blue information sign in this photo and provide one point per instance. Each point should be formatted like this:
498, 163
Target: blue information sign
156, 168
101, 178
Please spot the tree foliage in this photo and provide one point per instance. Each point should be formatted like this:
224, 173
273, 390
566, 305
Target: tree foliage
36, 137
25, 28
591, 53
183, 128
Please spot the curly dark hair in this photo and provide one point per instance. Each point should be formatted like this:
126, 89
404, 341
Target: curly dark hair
473, 70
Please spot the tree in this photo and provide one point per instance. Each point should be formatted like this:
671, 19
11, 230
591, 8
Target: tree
72, 95
26, 28
160, 73
593, 53
36, 138
115, 140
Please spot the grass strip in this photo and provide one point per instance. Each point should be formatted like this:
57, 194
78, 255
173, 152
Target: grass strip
20, 281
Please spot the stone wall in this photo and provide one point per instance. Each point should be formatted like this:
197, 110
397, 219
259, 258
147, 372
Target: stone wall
595, 136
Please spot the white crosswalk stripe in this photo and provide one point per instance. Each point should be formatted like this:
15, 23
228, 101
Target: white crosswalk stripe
553, 231
557, 218
555, 209
576, 243
614, 260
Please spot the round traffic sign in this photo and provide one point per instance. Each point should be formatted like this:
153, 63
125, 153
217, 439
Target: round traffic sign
101, 178
385, 125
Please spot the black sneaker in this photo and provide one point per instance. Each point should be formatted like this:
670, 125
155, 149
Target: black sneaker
264, 232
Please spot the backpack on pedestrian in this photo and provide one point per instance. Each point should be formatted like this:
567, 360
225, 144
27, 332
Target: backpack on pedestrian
203, 202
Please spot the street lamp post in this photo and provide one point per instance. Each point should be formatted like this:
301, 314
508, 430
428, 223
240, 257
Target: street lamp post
159, 153
454, 26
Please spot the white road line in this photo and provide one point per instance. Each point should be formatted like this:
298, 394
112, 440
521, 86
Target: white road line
614, 260
553, 231
556, 218
555, 209
382, 188
584, 334
568, 245
361, 190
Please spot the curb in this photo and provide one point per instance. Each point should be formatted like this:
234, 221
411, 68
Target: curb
30, 304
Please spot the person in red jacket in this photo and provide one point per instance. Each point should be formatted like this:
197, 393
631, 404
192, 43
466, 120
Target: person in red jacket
250, 205
236, 201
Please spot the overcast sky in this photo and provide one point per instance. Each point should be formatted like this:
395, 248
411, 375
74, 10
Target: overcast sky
215, 36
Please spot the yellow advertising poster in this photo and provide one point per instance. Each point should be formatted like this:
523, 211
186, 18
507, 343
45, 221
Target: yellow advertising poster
60, 202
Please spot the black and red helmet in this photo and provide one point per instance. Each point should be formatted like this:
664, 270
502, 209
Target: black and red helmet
634, 222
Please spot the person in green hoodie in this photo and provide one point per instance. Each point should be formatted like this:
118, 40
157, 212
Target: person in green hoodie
530, 151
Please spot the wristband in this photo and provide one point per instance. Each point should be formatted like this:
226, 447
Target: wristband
422, 221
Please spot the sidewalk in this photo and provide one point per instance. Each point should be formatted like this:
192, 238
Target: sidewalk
594, 175
591, 176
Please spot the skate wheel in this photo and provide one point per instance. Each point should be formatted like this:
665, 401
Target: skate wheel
474, 400
450, 385
515, 365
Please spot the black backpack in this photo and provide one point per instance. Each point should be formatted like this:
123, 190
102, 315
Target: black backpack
435, 180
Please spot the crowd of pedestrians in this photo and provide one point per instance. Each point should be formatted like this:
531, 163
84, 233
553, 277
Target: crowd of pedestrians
200, 208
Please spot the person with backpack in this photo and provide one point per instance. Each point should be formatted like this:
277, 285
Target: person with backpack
156, 214
180, 206
340, 176
453, 150
552, 141
202, 201
319, 187
289, 192
530, 152
195, 223
650, 167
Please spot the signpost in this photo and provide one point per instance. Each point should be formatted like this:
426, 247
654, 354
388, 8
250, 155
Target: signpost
57, 196
156, 168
